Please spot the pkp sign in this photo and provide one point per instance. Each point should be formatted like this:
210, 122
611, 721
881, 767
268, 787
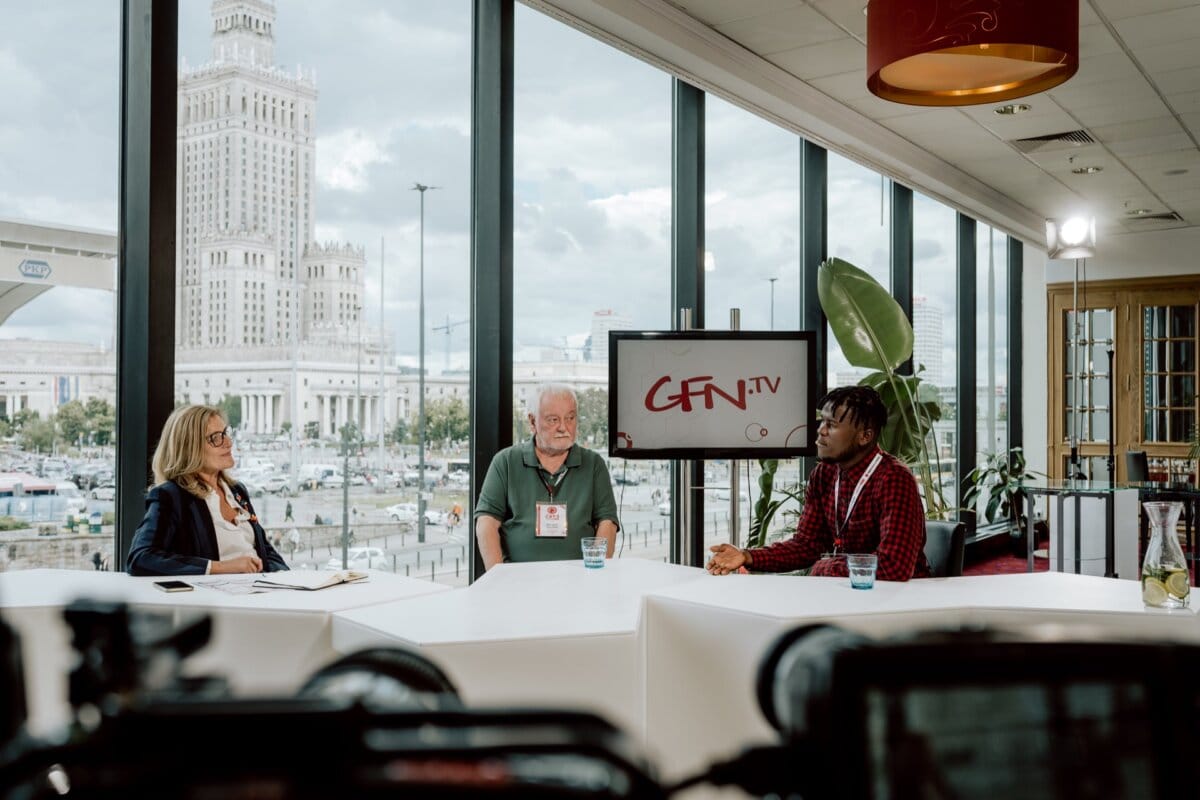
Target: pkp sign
34, 268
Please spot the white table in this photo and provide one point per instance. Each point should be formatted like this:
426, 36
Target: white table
262, 643
546, 634
704, 640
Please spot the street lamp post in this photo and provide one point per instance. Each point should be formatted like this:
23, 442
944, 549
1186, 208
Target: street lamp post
772, 280
419, 187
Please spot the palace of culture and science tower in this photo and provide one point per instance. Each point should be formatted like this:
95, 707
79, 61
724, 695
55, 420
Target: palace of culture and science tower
254, 289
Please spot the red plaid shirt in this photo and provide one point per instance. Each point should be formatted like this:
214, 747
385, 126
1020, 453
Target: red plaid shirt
887, 520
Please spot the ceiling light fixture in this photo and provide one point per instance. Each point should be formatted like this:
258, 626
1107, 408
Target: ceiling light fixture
1138, 212
1012, 109
1091, 169
1176, 171
931, 53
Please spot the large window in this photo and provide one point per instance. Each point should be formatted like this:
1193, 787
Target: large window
58, 224
301, 250
991, 341
752, 263
591, 251
859, 225
935, 319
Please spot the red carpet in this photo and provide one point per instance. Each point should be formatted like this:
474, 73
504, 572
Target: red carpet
994, 556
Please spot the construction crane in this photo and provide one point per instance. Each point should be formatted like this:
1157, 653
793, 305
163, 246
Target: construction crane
448, 327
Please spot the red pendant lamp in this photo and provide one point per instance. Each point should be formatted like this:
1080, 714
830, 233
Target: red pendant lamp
966, 52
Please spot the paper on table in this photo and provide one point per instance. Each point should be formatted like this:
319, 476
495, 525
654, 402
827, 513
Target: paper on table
309, 580
230, 584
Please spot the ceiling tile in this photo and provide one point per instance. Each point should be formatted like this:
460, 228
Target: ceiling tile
1151, 144
847, 14
1121, 9
718, 12
1186, 102
1177, 80
1161, 162
850, 88
1108, 67
1165, 27
827, 58
1044, 119
1073, 96
1127, 109
1164, 58
1096, 40
781, 30
1139, 129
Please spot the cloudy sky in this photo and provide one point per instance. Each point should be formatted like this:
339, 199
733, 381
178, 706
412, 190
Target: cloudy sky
592, 171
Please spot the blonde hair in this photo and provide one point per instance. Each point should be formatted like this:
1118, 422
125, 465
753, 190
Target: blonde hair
179, 456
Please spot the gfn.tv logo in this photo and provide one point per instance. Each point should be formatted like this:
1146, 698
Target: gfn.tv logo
702, 386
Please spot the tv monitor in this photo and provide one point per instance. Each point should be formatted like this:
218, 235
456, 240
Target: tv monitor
711, 394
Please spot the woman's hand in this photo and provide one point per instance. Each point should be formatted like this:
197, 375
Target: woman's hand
237, 565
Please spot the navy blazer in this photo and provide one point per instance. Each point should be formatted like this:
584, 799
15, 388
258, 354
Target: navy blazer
177, 536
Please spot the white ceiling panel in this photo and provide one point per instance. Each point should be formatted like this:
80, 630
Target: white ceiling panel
1177, 80
1114, 97
1151, 144
1095, 40
1179, 55
820, 60
1155, 30
718, 12
1185, 103
782, 30
847, 15
1138, 129
1126, 109
1121, 9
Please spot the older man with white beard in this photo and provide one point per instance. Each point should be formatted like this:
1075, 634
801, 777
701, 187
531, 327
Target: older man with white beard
542, 496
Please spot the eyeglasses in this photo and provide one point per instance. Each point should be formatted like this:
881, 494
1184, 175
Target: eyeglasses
220, 437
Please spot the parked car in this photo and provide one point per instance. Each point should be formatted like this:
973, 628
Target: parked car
664, 508
106, 492
361, 558
435, 517
332, 481
402, 512
75, 502
276, 484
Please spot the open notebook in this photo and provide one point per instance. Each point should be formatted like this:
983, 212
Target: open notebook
308, 579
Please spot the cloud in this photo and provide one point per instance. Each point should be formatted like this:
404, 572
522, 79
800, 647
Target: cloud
344, 159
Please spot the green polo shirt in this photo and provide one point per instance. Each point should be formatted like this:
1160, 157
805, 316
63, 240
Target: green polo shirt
516, 482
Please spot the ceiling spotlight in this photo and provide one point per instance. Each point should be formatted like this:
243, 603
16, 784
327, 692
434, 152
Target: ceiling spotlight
1012, 108
1074, 237
1138, 212
1088, 170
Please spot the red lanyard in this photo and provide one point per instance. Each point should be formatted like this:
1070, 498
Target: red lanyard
837, 488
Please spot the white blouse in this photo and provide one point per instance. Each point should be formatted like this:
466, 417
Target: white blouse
235, 538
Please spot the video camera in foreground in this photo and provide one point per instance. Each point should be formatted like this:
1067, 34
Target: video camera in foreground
936, 714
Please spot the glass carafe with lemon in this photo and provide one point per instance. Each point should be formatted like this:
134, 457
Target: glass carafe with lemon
1164, 570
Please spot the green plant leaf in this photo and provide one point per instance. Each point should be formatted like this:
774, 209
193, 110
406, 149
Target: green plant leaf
867, 322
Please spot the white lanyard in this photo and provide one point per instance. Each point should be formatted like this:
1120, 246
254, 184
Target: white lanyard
866, 476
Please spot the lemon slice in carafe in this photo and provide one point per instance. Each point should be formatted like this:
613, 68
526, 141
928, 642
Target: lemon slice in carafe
1177, 583
1154, 593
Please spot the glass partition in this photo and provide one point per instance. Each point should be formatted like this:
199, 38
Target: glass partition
752, 263
319, 289
935, 321
858, 231
591, 238
58, 247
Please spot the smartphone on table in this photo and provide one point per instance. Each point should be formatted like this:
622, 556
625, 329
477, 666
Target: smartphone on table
173, 586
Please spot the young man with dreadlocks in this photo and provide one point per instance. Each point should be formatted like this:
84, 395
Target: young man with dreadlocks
859, 500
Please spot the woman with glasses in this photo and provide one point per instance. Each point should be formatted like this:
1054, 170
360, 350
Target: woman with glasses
198, 519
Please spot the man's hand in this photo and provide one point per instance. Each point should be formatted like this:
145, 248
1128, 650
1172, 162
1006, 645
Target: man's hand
726, 559
237, 565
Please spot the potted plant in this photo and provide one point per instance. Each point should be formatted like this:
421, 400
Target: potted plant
996, 486
874, 333
766, 506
